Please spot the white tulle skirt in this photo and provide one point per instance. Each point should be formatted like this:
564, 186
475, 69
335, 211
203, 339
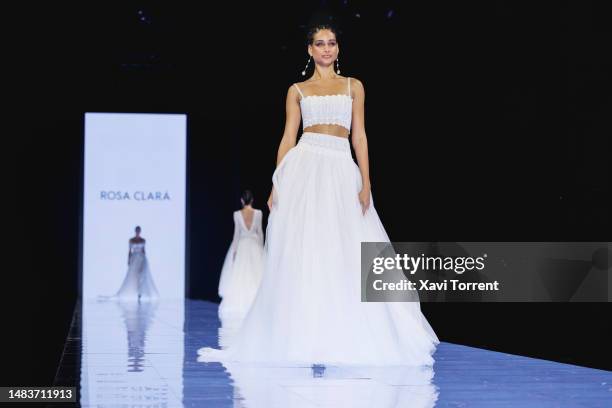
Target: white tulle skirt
308, 308
240, 278
138, 283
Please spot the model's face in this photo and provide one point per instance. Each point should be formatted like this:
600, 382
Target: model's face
137, 231
324, 48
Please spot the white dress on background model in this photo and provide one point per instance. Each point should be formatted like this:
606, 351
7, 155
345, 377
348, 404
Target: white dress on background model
242, 268
138, 283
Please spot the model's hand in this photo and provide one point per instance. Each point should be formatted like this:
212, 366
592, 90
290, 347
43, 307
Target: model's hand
270, 199
364, 199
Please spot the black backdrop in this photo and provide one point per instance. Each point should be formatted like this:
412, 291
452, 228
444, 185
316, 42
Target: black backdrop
485, 122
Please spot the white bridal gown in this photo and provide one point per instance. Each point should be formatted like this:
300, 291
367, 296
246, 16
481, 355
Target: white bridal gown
242, 268
138, 283
308, 309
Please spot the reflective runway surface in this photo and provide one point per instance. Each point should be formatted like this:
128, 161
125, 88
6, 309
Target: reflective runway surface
145, 355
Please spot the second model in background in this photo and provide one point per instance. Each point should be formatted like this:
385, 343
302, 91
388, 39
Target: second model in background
243, 265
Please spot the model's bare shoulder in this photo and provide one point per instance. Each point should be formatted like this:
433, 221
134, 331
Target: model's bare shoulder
292, 92
302, 85
357, 88
356, 83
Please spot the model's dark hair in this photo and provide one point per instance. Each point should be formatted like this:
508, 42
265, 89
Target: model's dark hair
247, 197
316, 28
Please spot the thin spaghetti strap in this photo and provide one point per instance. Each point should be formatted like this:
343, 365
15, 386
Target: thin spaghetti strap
349, 85
298, 88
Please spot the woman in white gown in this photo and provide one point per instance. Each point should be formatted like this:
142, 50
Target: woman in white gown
138, 283
308, 307
243, 265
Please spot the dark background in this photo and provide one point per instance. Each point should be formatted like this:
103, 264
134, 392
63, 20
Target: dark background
485, 122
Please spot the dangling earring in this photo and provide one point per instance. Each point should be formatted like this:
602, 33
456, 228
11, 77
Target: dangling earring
338, 63
306, 67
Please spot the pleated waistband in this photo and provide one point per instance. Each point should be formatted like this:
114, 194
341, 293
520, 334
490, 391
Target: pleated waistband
326, 142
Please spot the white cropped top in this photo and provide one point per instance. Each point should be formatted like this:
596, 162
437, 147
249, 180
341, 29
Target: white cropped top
327, 109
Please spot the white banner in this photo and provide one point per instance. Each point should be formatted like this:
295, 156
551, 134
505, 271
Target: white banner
135, 175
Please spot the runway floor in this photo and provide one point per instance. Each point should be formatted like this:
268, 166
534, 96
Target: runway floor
145, 355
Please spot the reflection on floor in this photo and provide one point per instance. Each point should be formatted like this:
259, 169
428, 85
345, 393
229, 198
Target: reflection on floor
145, 355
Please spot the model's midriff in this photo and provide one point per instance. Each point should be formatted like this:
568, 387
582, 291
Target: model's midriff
332, 130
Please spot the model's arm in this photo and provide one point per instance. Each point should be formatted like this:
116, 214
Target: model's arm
129, 251
234, 243
360, 141
292, 125
258, 229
